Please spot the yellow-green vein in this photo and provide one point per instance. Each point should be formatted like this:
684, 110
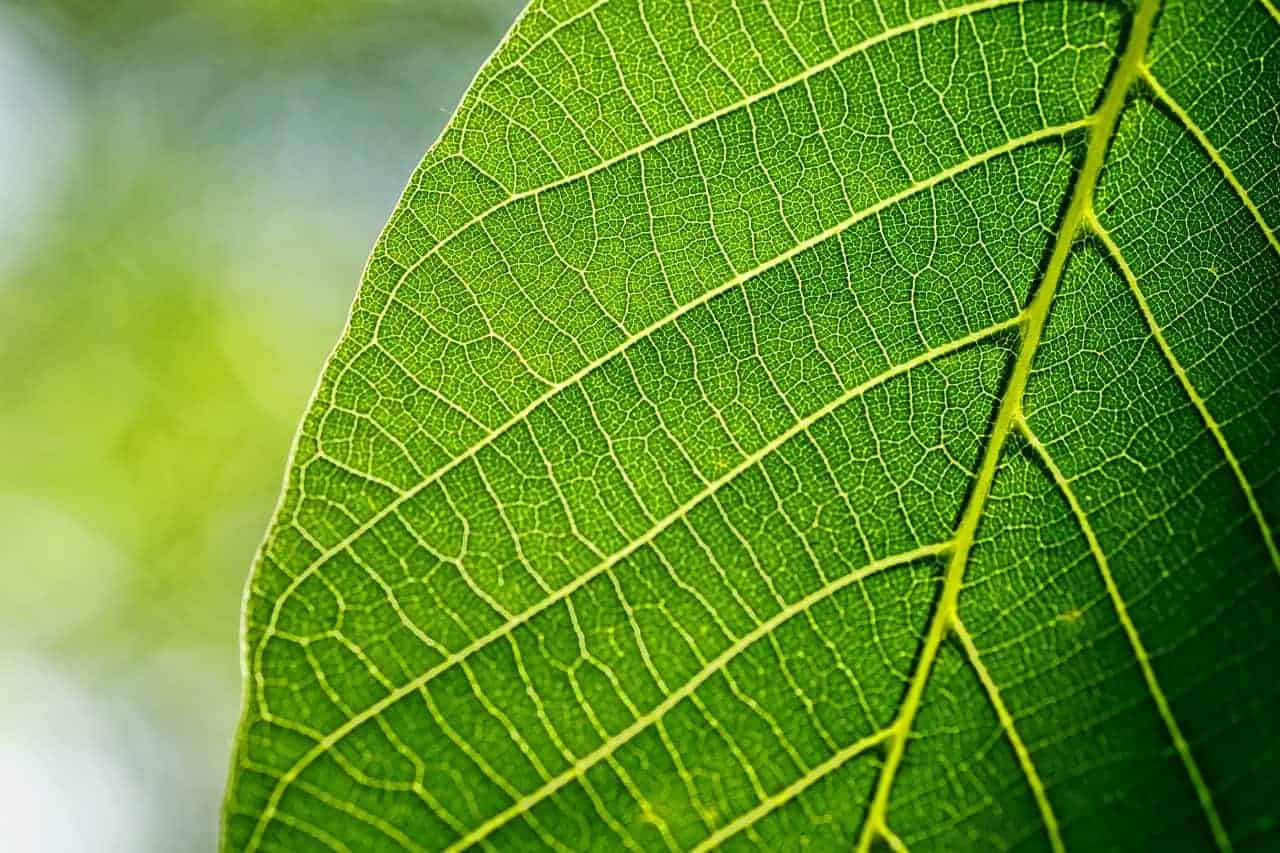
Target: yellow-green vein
1011, 732
1080, 205
609, 747
1203, 794
1184, 380
1189, 124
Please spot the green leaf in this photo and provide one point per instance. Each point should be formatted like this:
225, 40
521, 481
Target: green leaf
770, 424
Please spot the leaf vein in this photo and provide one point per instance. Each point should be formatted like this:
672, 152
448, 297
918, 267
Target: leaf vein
1203, 794
1035, 317
1163, 97
1198, 401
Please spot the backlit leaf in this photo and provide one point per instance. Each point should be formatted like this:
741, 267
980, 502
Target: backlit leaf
778, 422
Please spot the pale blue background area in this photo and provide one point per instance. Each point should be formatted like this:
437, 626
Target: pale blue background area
188, 192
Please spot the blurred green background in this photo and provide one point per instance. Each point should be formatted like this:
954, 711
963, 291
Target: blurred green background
188, 192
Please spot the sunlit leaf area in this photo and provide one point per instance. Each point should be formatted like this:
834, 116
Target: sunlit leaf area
189, 191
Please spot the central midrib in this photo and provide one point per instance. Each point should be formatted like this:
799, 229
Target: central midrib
1079, 212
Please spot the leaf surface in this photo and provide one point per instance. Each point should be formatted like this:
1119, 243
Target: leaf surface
770, 423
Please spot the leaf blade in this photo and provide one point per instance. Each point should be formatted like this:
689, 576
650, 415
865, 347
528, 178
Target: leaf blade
495, 441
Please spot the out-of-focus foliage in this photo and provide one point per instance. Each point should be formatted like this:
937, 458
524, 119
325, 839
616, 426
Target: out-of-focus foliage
188, 192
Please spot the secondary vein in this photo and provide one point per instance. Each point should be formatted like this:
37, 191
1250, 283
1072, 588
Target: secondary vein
1163, 96
613, 744
1233, 462
1011, 732
1203, 793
